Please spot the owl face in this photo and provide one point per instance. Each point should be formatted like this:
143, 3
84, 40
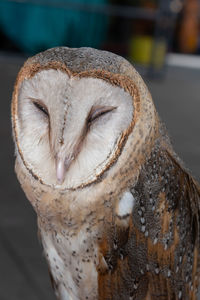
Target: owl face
70, 127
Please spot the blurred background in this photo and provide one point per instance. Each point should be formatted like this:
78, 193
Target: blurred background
161, 39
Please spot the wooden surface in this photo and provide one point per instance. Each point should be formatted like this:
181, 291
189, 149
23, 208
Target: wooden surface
23, 269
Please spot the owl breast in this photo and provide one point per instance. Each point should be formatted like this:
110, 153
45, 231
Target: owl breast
72, 260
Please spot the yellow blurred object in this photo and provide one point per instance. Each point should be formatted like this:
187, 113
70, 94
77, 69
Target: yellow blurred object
144, 50
159, 53
140, 49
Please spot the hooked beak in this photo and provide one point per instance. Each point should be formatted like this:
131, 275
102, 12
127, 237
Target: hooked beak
62, 165
63, 161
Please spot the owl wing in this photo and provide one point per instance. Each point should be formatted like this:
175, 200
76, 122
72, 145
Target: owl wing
154, 253
173, 252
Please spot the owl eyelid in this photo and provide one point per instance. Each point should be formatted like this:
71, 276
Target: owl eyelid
98, 111
40, 106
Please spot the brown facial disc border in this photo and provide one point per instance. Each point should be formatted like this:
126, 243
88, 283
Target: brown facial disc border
29, 70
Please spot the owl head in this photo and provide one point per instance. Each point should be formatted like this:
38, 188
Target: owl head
75, 111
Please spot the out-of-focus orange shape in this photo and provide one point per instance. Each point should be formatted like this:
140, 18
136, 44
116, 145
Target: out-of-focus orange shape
188, 35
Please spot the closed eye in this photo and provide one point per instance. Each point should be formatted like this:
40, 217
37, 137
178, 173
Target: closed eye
98, 111
40, 106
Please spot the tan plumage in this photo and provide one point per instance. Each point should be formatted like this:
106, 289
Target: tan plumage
118, 214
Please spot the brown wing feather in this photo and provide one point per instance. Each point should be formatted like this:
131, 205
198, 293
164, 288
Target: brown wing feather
157, 255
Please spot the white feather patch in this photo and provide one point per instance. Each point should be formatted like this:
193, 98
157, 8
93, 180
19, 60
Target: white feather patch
72, 259
126, 204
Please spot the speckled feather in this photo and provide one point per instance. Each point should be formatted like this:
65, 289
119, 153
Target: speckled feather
148, 251
156, 256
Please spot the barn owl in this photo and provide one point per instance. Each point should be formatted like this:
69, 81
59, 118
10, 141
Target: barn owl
118, 213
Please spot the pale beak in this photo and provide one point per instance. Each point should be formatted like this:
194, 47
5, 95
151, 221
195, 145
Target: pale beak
64, 161
62, 165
